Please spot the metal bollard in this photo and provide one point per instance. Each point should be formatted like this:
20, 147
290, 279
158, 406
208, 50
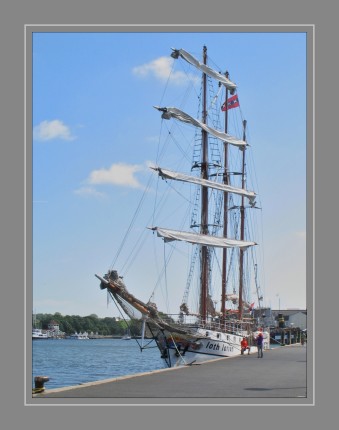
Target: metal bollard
39, 383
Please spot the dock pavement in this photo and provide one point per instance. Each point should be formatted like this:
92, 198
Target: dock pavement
279, 377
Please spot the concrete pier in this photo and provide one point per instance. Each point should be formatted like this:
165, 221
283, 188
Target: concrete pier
278, 377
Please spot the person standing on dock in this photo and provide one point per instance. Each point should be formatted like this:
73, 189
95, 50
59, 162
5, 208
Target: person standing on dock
260, 341
244, 346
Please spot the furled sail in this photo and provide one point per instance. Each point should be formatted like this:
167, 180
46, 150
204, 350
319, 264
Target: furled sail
204, 68
168, 174
172, 112
201, 239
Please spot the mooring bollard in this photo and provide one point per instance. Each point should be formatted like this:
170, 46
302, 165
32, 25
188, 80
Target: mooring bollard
39, 384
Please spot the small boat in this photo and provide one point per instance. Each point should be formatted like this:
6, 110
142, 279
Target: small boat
79, 336
37, 333
217, 308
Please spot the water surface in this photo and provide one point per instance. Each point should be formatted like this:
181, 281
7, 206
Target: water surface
71, 362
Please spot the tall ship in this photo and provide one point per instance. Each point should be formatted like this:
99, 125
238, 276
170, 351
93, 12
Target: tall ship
220, 230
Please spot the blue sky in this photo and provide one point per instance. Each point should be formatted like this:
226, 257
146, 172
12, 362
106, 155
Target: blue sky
95, 131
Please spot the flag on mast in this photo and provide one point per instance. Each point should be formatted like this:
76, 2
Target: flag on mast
232, 102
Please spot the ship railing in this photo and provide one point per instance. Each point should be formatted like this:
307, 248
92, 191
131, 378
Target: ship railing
191, 322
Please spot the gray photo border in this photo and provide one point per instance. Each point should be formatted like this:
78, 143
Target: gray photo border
309, 31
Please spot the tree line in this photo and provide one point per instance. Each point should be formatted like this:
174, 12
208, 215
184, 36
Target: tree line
70, 324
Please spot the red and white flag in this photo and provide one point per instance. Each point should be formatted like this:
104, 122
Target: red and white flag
232, 102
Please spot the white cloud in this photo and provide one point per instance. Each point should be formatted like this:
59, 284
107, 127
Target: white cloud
89, 192
161, 69
118, 174
48, 130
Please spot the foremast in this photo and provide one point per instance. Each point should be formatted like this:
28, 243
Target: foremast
204, 203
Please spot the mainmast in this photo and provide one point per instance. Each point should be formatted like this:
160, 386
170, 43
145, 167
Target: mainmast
204, 201
225, 181
242, 230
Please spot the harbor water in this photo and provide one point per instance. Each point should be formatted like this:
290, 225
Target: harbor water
69, 362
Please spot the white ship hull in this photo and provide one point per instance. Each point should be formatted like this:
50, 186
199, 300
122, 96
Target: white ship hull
219, 345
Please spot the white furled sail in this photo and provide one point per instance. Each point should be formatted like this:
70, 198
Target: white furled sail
172, 112
204, 68
168, 174
201, 239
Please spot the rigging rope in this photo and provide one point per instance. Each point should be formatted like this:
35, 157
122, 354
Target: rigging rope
132, 221
148, 184
128, 325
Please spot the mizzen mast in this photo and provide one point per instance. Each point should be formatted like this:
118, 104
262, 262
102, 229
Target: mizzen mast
242, 230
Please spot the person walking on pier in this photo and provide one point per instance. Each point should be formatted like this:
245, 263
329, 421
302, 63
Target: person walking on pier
260, 341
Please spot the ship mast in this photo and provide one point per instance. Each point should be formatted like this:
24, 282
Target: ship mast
242, 230
225, 227
204, 201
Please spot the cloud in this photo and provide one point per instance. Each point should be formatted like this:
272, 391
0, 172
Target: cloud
118, 174
48, 130
89, 192
161, 69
